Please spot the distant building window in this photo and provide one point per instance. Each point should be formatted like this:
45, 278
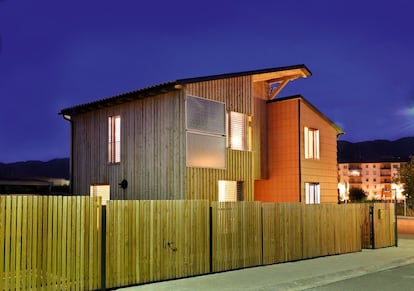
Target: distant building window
114, 139
102, 191
395, 166
345, 166
311, 143
230, 191
206, 133
374, 166
238, 131
312, 193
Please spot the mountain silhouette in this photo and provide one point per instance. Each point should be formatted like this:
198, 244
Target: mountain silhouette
57, 168
376, 151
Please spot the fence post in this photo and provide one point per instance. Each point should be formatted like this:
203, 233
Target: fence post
103, 249
371, 227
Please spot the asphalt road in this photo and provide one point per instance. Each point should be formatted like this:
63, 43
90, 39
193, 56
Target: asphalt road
399, 279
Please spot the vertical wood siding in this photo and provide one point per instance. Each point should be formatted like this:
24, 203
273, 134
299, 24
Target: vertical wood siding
202, 183
152, 149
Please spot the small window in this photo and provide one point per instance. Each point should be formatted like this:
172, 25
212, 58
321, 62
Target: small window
114, 139
311, 143
230, 191
100, 191
312, 193
238, 131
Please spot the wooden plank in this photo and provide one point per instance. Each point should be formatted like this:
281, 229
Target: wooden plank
63, 250
24, 241
3, 237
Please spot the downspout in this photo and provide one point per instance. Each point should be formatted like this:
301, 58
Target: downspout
69, 118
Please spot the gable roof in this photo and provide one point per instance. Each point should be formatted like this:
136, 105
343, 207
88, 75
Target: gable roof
277, 74
339, 130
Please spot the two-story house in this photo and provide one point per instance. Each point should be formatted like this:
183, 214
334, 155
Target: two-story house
220, 138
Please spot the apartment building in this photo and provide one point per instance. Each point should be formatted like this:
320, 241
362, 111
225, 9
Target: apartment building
377, 179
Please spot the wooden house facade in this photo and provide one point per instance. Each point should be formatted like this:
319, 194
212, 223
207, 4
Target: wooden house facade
199, 138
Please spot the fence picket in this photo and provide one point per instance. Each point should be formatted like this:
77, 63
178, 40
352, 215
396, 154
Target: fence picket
55, 242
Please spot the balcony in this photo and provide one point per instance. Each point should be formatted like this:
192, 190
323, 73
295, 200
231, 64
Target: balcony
355, 181
385, 166
355, 167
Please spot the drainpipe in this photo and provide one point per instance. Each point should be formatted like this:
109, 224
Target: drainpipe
69, 118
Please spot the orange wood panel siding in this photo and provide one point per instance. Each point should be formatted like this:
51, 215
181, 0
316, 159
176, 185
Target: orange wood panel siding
283, 154
324, 170
202, 183
152, 149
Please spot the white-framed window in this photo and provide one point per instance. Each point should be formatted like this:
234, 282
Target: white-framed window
102, 191
206, 133
230, 191
311, 138
114, 139
312, 193
238, 131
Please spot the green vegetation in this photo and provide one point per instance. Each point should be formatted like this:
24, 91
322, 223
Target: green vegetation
407, 177
356, 195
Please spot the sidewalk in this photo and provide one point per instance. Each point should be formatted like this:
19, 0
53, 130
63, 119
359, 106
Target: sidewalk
299, 275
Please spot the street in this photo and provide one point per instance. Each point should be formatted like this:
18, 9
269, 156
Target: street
400, 278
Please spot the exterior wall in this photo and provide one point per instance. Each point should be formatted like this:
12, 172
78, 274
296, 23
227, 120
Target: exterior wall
283, 154
152, 149
202, 183
323, 170
260, 131
375, 179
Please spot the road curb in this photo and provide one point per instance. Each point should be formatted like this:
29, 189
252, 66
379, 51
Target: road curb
313, 282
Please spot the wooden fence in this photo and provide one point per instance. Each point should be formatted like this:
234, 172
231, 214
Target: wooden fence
378, 227
54, 242
49, 242
236, 235
156, 240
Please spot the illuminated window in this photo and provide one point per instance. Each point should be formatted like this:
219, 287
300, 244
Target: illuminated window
230, 191
311, 143
238, 131
100, 191
312, 193
206, 133
114, 139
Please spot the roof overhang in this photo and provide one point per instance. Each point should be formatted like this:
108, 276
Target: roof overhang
280, 75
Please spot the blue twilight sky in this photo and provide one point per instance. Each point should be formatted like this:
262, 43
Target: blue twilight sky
56, 54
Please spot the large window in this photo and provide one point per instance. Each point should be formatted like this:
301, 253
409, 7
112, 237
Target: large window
114, 139
238, 131
206, 133
230, 191
311, 140
312, 193
100, 191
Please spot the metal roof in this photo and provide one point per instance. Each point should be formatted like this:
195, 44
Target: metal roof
295, 71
